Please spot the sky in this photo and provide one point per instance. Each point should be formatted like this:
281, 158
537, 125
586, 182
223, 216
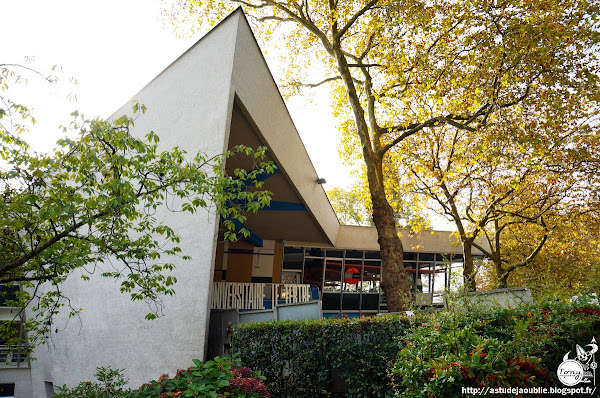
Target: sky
114, 48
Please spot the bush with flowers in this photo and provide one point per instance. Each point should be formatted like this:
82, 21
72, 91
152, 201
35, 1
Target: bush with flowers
519, 347
220, 378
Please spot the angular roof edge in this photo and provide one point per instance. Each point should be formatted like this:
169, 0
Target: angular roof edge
182, 55
256, 89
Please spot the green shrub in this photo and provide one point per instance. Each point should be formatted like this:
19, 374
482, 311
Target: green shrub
111, 384
300, 358
217, 378
212, 379
519, 347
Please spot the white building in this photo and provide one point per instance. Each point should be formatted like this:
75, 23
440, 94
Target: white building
218, 94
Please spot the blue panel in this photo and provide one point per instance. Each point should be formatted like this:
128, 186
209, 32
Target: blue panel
275, 205
314, 293
268, 303
261, 177
252, 237
285, 206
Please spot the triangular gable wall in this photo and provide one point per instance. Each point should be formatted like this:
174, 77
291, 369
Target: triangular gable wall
189, 105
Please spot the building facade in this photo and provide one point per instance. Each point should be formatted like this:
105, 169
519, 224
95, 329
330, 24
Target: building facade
216, 95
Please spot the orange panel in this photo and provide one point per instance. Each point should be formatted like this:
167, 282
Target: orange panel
239, 267
219, 255
277, 261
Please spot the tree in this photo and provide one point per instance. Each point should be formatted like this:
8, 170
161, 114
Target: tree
353, 207
397, 68
348, 206
569, 264
489, 185
94, 200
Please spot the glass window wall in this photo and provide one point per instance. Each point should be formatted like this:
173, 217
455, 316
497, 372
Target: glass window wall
350, 280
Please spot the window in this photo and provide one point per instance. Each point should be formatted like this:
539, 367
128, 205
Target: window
7, 294
7, 390
333, 275
293, 258
12, 354
313, 271
352, 275
371, 276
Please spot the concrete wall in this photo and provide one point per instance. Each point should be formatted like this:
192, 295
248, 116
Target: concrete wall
284, 312
189, 105
496, 298
365, 238
21, 377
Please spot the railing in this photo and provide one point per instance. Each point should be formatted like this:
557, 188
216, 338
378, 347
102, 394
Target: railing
256, 296
12, 356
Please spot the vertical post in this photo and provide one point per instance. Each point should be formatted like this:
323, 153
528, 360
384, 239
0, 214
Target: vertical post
19, 351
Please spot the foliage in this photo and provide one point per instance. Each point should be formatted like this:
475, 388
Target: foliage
353, 207
348, 206
217, 378
211, 379
94, 205
299, 358
519, 347
399, 69
568, 265
510, 191
111, 384
427, 354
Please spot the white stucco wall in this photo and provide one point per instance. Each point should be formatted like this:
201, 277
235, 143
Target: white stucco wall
189, 105
21, 377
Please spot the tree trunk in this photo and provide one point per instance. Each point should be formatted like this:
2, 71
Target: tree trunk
395, 281
503, 281
501, 274
468, 267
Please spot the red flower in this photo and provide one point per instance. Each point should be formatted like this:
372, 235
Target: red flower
587, 310
483, 354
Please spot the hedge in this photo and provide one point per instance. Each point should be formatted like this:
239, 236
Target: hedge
301, 358
427, 355
520, 347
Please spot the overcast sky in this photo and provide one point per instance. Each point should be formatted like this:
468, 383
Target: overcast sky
113, 48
